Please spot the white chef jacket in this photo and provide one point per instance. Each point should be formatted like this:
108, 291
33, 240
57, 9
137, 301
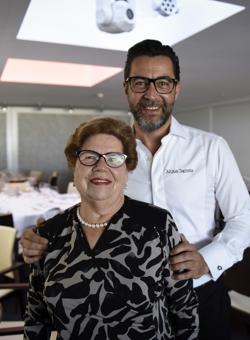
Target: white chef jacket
190, 171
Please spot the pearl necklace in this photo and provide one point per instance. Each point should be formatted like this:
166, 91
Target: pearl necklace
90, 225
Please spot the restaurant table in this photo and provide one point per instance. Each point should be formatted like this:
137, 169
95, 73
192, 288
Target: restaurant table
27, 207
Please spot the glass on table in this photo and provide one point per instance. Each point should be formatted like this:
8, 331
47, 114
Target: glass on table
43, 186
3, 179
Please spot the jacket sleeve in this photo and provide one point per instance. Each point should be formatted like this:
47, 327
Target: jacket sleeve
232, 196
182, 299
38, 323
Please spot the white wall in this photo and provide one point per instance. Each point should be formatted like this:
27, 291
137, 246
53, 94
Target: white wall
231, 121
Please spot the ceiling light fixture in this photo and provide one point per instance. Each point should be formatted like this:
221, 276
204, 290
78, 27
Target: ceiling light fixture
100, 95
166, 7
115, 16
55, 25
3, 108
70, 109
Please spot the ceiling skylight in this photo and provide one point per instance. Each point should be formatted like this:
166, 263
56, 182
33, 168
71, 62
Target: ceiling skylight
55, 73
77, 22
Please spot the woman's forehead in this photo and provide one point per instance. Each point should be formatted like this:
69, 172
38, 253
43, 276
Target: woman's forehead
102, 140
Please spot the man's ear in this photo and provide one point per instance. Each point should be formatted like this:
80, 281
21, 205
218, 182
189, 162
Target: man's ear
177, 90
125, 87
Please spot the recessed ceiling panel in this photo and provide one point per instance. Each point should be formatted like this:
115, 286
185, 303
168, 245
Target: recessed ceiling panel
54, 73
82, 22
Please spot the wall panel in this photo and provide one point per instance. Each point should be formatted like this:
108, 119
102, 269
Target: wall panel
41, 142
198, 118
233, 123
3, 155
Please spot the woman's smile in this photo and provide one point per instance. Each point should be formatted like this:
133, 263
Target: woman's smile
100, 181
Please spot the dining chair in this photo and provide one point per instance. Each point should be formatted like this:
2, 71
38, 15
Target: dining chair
10, 284
8, 329
35, 176
7, 219
237, 281
71, 188
53, 180
238, 276
10, 269
240, 302
13, 330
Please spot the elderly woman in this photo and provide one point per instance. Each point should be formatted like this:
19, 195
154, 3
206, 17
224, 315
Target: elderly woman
106, 273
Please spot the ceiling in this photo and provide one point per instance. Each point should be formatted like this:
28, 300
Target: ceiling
214, 65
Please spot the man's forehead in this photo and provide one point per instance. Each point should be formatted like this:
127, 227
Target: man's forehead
152, 66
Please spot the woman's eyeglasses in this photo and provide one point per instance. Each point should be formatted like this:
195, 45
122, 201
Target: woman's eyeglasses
112, 159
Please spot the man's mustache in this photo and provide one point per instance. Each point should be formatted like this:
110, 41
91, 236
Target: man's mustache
148, 102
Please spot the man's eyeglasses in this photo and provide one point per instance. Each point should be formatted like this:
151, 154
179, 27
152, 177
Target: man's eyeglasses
112, 159
163, 85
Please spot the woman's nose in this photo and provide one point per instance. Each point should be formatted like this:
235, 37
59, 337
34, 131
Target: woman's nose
101, 162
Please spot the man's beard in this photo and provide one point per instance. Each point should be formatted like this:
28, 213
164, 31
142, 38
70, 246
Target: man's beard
151, 125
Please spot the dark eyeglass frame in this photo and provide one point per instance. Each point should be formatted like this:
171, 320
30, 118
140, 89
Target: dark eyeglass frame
152, 80
104, 156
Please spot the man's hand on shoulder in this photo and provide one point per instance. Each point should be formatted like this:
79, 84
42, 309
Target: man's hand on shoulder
34, 246
186, 261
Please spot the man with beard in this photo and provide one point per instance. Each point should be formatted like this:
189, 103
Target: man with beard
186, 171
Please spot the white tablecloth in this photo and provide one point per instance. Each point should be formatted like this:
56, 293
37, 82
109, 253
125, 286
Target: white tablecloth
27, 207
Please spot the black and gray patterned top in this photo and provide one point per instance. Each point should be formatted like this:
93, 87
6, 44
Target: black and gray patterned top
120, 290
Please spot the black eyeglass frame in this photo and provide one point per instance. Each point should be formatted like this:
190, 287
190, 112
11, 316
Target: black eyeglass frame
104, 155
152, 80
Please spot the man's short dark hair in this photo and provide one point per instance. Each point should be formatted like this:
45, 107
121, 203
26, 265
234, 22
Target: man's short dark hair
151, 48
